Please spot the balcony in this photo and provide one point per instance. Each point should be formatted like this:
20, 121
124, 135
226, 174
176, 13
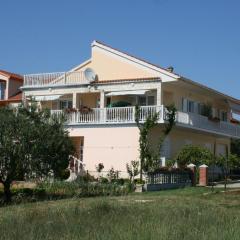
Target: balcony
126, 115
114, 115
55, 79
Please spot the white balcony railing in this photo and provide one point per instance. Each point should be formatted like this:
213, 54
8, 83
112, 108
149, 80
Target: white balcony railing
201, 122
54, 79
127, 115
110, 115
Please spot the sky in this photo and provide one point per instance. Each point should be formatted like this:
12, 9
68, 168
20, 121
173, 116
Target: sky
199, 38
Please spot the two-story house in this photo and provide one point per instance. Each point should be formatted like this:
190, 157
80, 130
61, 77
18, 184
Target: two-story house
99, 97
10, 93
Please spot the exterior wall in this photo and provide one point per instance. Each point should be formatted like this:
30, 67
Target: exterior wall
180, 137
13, 87
174, 93
109, 66
89, 100
111, 145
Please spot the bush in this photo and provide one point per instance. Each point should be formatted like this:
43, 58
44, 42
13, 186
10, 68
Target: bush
139, 181
120, 104
86, 178
103, 180
78, 188
64, 174
193, 154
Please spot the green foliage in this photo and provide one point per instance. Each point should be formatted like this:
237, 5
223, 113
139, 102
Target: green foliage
149, 159
112, 175
152, 215
99, 167
86, 178
120, 104
59, 189
32, 145
194, 154
235, 147
133, 169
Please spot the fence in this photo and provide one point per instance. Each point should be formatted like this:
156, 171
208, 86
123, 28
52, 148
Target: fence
167, 180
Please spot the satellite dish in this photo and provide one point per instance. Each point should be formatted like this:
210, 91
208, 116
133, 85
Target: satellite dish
90, 75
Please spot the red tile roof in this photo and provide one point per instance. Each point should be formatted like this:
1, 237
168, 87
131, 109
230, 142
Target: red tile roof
11, 75
16, 98
126, 80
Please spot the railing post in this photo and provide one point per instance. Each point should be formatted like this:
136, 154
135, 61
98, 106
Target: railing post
103, 115
203, 175
65, 77
162, 113
133, 114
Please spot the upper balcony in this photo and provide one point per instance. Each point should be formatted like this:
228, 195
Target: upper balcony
126, 115
55, 79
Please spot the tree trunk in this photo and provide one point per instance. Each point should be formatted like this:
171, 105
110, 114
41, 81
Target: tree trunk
7, 192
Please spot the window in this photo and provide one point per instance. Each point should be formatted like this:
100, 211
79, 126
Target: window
108, 101
142, 101
65, 104
208, 146
184, 105
2, 91
146, 100
223, 116
191, 106
150, 100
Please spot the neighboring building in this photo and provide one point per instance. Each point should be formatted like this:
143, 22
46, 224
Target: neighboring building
10, 84
104, 133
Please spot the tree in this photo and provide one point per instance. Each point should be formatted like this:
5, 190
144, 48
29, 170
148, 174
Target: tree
32, 145
133, 170
194, 154
235, 147
149, 159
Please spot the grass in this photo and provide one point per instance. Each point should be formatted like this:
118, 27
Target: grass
191, 213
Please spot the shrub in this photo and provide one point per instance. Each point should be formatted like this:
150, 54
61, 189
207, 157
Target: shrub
64, 174
86, 178
193, 154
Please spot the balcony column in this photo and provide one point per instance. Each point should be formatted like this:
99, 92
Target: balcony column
102, 99
159, 95
160, 102
74, 100
102, 107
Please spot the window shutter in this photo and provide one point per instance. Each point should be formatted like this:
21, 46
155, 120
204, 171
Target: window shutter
196, 107
214, 113
184, 105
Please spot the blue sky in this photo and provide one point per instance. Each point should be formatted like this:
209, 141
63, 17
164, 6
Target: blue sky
199, 38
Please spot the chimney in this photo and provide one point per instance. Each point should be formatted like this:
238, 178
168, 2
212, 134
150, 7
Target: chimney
170, 69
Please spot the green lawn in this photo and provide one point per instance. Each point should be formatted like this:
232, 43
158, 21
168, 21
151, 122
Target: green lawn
189, 213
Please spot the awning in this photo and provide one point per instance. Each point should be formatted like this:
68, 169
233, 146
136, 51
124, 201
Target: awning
46, 98
235, 116
234, 107
138, 92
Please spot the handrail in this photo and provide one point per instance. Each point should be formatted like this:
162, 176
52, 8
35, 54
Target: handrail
119, 115
54, 79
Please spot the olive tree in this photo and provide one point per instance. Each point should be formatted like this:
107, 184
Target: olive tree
32, 145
